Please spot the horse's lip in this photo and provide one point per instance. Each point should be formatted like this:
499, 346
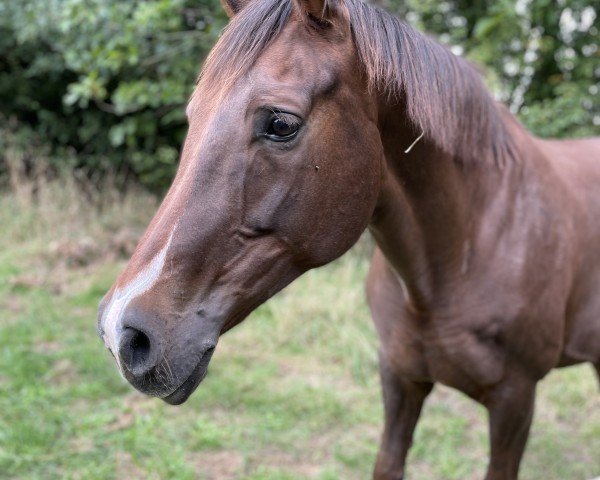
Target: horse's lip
183, 392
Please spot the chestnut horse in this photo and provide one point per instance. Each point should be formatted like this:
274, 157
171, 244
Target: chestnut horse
316, 119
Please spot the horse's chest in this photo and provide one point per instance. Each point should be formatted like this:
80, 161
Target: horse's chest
472, 356
458, 356
464, 359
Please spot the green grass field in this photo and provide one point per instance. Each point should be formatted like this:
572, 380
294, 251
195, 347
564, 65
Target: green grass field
292, 393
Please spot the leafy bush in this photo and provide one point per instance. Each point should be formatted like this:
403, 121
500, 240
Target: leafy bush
102, 82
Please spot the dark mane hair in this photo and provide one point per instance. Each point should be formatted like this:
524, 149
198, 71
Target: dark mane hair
445, 96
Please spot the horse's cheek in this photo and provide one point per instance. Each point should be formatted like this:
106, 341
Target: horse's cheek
269, 194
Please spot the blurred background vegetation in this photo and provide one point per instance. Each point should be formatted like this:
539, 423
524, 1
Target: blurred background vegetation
92, 96
99, 86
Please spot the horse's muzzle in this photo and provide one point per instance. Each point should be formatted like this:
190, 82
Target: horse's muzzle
151, 371
164, 363
154, 374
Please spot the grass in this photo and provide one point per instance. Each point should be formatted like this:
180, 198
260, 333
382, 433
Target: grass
292, 393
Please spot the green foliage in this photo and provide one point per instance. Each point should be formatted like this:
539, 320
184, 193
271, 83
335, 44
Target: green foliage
541, 56
102, 83
105, 79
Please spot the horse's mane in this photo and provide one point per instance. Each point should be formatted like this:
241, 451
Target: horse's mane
444, 94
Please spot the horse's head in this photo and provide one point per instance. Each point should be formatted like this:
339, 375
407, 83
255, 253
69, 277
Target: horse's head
279, 173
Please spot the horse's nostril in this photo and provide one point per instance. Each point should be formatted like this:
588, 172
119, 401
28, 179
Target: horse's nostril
135, 350
140, 347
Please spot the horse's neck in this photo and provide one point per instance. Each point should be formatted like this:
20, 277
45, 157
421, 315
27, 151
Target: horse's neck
430, 209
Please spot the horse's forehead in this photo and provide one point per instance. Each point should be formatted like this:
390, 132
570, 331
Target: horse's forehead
286, 62
296, 55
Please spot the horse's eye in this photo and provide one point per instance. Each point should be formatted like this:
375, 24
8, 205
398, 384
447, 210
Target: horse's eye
283, 127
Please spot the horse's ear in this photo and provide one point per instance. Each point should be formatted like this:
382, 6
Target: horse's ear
232, 7
320, 10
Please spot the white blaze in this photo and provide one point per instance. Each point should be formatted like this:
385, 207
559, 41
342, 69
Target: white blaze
122, 296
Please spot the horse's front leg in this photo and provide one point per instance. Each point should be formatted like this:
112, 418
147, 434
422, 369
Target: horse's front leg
402, 400
510, 406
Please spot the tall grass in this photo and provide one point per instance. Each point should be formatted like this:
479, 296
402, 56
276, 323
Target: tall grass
67, 207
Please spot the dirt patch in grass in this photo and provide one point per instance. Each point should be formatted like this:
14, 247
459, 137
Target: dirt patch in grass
288, 462
82, 445
85, 251
11, 307
26, 282
127, 468
64, 372
69, 266
217, 465
74, 252
134, 405
314, 375
47, 348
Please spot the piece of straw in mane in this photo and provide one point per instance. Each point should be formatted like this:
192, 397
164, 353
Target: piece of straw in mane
444, 94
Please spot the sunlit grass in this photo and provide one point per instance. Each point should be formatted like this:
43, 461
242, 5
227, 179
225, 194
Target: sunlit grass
292, 393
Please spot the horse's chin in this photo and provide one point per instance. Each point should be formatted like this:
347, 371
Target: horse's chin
183, 392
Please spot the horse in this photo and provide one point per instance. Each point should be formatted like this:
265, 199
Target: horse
315, 120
